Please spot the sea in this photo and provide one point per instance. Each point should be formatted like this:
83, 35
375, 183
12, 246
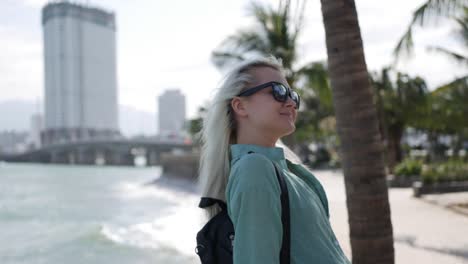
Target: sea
58, 214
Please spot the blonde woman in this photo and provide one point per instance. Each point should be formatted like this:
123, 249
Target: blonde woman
241, 134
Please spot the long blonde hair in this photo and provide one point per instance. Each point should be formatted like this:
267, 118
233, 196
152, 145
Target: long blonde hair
219, 130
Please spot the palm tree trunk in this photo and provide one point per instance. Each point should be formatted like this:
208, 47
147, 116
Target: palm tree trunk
395, 153
433, 142
370, 223
383, 129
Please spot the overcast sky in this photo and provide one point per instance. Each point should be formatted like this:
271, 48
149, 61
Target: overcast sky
167, 44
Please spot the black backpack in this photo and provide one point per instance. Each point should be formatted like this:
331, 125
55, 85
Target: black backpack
215, 240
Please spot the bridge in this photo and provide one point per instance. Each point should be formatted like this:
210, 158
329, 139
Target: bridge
102, 152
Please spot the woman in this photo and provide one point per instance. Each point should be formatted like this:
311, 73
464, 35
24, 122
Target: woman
249, 114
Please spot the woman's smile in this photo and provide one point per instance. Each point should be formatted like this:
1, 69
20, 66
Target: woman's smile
289, 115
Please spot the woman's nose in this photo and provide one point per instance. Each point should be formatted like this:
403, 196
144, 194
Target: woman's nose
290, 102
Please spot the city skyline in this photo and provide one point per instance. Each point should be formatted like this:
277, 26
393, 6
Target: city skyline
160, 46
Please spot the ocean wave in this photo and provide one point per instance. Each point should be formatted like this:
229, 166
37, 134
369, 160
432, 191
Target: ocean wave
174, 231
174, 190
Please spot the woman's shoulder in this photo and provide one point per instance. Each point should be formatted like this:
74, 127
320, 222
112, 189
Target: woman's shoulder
252, 161
252, 169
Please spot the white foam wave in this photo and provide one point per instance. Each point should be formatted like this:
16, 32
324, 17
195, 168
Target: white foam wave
133, 235
175, 191
176, 231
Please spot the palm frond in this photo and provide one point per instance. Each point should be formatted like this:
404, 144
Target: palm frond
405, 45
316, 79
433, 10
461, 59
224, 59
428, 12
274, 33
449, 104
459, 82
299, 19
236, 47
463, 24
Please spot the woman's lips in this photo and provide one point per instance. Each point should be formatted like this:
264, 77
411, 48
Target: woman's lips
289, 115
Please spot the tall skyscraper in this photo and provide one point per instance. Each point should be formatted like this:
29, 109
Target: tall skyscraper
80, 73
171, 113
36, 126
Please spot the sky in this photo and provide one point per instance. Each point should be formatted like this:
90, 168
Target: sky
167, 45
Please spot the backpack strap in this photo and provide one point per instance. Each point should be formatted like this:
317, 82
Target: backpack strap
208, 201
285, 253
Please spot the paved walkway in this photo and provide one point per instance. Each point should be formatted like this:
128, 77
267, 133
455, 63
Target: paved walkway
425, 230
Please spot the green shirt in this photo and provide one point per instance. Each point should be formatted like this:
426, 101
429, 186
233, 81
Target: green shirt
254, 206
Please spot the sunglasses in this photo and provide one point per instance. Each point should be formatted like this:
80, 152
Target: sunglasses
280, 92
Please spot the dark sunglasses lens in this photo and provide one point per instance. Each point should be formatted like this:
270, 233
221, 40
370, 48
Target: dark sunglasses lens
280, 92
295, 97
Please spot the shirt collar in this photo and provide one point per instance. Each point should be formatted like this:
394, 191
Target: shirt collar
273, 153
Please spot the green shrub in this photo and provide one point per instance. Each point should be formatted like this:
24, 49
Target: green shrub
445, 172
408, 167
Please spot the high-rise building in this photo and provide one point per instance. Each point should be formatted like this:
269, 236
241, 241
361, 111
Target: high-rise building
35, 131
171, 113
80, 73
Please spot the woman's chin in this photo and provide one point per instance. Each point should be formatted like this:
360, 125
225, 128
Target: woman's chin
290, 130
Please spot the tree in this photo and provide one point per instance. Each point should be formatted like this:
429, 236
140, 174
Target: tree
429, 12
445, 103
400, 103
449, 106
195, 125
371, 231
447, 111
275, 33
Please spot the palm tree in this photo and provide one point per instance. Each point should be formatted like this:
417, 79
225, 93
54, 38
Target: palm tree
429, 12
442, 103
400, 103
371, 231
450, 107
276, 33
317, 101
447, 111
195, 125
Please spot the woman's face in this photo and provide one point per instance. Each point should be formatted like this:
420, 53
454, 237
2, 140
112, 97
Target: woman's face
263, 111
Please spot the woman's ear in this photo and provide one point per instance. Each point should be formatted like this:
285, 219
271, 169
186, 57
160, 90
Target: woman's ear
238, 106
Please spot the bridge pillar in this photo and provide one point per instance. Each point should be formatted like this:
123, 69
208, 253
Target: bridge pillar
80, 156
71, 157
128, 159
112, 158
120, 158
153, 157
85, 156
59, 157
115, 158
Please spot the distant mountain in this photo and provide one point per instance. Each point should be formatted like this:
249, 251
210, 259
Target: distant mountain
16, 114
